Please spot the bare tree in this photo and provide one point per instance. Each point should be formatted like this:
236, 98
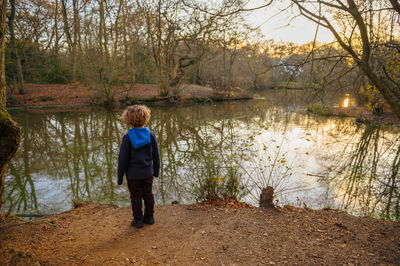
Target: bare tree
356, 32
73, 39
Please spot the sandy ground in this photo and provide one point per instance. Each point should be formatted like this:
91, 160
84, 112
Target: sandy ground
205, 234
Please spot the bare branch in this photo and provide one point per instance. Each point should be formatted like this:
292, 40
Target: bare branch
395, 5
221, 14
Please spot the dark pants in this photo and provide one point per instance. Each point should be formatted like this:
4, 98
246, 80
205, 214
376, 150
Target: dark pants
141, 189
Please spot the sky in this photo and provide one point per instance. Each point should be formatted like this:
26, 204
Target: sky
281, 26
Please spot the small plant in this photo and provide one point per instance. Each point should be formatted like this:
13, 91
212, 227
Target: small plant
151, 99
215, 182
106, 95
127, 100
319, 109
93, 88
46, 98
177, 90
12, 100
203, 100
232, 185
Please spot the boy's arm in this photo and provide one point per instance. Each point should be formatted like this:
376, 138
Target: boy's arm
156, 156
123, 158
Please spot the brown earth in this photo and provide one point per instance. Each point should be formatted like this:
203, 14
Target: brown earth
202, 234
83, 95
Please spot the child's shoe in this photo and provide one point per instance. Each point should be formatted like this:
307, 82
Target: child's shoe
148, 220
137, 224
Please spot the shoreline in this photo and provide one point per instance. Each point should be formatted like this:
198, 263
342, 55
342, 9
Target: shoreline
229, 202
361, 115
50, 96
139, 101
83, 97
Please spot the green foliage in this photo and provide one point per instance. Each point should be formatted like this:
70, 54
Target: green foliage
375, 101
319, 109
12, 100
56, 70
37, 65
392, 66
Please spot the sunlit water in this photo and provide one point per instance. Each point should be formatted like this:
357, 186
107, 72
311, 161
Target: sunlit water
310, 160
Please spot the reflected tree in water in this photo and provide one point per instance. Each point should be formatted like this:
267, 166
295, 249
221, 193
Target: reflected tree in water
227, 149
20, 193
366, 173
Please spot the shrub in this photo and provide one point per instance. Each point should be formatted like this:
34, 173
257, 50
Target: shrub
319, 109
215, 182
56, 70
12, 100
46, 98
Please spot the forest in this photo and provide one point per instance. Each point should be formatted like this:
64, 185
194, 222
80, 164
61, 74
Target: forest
271, 151
109, 43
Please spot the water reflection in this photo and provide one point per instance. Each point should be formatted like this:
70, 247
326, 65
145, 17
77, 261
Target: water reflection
365, 174
310, 160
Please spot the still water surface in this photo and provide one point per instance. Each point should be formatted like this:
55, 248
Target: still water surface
310, 160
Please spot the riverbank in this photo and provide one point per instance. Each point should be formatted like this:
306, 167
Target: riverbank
360, 113
201, 234
61, 95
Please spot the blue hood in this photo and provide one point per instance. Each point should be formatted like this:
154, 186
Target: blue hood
139, 136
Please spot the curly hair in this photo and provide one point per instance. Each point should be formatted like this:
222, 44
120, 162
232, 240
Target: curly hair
136, 115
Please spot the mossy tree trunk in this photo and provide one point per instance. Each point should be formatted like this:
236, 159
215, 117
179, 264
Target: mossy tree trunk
10, 133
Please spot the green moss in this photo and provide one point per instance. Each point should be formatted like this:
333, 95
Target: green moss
4, 114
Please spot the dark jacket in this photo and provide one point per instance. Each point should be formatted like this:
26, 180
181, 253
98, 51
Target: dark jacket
139, 157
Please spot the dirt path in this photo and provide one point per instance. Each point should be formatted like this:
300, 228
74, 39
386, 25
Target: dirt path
98, 234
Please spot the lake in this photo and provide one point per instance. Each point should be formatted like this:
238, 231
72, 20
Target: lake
241, 146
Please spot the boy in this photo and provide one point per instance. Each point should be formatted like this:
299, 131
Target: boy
139, 159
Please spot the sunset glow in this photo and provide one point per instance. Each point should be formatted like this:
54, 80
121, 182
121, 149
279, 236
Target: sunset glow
346, 102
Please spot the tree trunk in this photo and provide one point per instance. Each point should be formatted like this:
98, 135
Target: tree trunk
76, 43
10, 135
20, 76
3, 10
71, 47
56, 43
116, 32
267, 198
389, 94
103, 30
